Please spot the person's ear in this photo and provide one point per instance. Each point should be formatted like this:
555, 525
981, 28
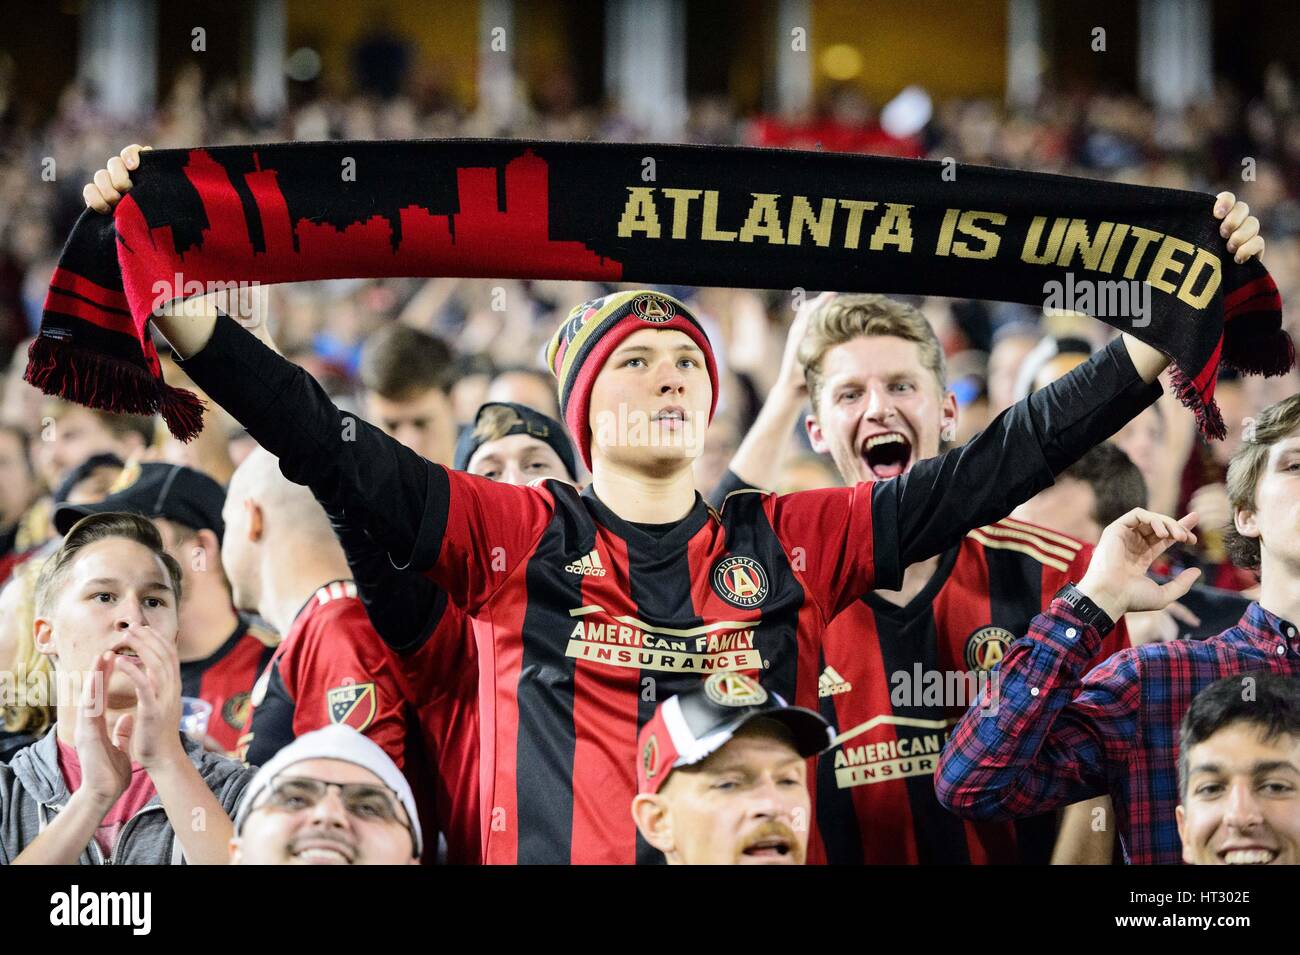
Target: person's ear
254, 511
948, 418
1180, 816
1245, 522
654, 821
815, 436
43, 637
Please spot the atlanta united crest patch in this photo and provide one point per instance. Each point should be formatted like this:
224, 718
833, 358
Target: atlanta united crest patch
652, 308
740, 581
354, 704
650, 757
235, 710
986, 647
734, 689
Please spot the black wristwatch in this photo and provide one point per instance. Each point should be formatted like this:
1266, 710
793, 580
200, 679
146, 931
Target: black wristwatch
1085, 609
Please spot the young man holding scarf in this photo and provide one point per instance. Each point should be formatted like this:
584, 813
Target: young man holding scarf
573, 662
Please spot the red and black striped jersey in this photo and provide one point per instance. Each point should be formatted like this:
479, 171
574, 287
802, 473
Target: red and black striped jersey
585, 621
574, 653
894, 681
331, 667
440, 680
226, 678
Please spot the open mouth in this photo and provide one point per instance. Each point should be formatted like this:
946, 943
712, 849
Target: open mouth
1251, 856
319, 853
887, 454
124, 652
769, 848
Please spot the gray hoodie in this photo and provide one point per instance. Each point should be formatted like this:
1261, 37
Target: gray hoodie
33, 790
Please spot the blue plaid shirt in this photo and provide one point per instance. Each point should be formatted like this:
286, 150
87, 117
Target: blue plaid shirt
1059, 736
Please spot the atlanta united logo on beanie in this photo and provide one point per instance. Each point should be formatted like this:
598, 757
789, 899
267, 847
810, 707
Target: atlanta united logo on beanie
579, 348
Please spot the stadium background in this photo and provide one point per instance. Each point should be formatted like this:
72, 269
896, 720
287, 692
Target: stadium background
1181, 93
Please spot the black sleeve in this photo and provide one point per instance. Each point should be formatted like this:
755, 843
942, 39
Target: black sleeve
344, 459
404, 607
729, 482
932, 506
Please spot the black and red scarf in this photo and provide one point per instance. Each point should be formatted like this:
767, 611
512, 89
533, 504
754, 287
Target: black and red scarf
648, 214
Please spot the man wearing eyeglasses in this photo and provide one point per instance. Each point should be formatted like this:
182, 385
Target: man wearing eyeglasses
331, 797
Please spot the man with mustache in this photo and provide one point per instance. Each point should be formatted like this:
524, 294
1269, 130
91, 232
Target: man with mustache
1239, 773
331, 797
722, 775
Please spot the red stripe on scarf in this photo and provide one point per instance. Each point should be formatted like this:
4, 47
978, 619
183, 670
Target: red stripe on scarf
79, 285
110, 321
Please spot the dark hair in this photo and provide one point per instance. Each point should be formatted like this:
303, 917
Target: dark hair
1265, 700
94, 528
1116, 482
399, 362
1246, 467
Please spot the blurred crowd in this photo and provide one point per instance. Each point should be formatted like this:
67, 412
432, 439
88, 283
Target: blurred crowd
495, 330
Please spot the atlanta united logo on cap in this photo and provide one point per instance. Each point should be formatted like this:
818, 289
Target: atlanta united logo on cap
652, 308
734, 689
986, 647
650, 757
741, 581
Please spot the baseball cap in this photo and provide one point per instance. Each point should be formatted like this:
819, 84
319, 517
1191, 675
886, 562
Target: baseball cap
156, 489
531, 422
340, 742
693, 725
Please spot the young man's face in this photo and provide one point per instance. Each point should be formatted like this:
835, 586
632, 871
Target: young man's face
286, 831
1242, 805
650, 402
114, 587
423, 422
1142, 439
880, 409
747, 804
196, 551
1276, 517
77, 434
517, 459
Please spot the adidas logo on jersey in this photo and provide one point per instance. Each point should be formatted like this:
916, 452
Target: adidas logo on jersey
589, 566
830, 683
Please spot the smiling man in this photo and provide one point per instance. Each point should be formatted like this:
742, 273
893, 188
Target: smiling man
723, 775
1239, 773
331, 797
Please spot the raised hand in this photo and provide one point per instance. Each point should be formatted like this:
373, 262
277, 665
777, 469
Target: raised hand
1117, 579
110, 183
1240, 228
152, 733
